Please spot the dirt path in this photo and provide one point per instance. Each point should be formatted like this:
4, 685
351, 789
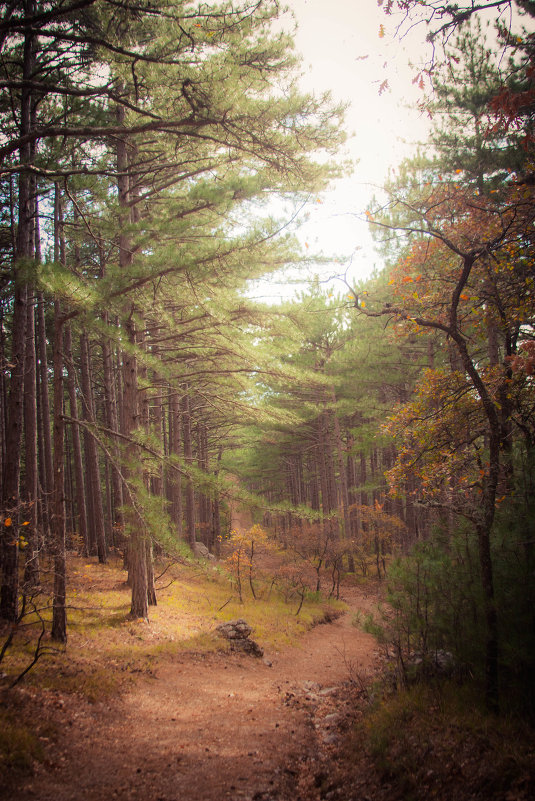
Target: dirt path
210, 727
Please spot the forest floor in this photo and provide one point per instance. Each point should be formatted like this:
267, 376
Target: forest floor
301, 724
202, 726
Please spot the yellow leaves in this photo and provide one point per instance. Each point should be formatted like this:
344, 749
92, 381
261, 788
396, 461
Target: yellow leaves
363, 305
381, 31
26, 523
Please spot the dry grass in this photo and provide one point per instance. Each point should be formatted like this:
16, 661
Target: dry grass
106, 649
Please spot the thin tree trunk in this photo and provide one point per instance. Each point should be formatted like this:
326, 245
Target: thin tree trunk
188, 458
31, 568
342, 481
59, 610
47, 473
81, 511
91, 453
175, 477
112, 424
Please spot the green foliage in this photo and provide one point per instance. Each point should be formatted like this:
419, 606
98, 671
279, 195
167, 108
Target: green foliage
435, 741
433, 620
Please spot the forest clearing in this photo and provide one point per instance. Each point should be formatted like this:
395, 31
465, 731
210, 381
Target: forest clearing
339, 474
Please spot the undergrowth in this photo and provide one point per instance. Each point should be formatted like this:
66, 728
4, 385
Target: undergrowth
433, 740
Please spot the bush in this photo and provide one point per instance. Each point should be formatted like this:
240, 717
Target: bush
435, 608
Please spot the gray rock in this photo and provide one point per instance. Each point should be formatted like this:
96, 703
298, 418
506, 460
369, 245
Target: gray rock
247, 647
201, 551
237, 632
235, 629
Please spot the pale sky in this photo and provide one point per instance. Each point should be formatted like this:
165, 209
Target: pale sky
344, 54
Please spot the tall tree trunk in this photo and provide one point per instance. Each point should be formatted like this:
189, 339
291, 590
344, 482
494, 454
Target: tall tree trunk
112, 423
9, 542
175, 476
91, 453
188, 458
205, 533
135, 528
46, 472
59, 610
31, 568
134, 525
342, 478
81, 511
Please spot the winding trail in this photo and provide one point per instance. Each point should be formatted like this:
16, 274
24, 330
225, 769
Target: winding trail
209, 727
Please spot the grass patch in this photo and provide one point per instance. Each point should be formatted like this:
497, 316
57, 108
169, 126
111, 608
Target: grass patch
106, 650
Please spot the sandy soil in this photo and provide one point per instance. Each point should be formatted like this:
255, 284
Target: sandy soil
217, 726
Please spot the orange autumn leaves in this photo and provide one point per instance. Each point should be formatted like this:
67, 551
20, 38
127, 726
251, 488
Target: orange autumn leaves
454, 222
436, 436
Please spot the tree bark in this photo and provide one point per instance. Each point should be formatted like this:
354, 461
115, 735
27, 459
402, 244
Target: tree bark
188, 458
31, 568
91, 454
59, 610
81, 510
47, 472
175, 477
134, 525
